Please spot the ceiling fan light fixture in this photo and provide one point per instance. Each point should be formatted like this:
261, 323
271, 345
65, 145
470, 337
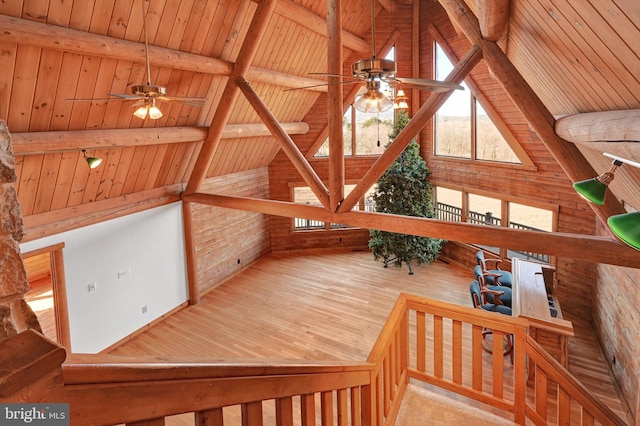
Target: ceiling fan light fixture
148, 109
373, 100
92, 162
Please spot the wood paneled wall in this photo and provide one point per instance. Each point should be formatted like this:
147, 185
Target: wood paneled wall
616, 317
548, 184
228, 240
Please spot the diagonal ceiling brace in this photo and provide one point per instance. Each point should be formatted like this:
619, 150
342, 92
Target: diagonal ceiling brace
245, 57
426, 111
286, 143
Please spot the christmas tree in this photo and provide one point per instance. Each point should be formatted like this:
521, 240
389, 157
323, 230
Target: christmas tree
404, 189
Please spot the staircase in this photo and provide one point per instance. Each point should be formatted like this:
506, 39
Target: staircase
408, 356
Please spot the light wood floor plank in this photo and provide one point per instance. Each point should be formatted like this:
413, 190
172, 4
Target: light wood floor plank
327, 306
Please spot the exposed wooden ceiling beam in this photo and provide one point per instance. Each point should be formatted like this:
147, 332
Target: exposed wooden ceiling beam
43, 142
231, 92
574, 246
288, 146
426, 111
493, 17
615, 132
31, 33
317, 24
567, 155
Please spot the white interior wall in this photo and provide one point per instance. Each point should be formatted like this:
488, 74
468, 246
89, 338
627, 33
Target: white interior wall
135, 261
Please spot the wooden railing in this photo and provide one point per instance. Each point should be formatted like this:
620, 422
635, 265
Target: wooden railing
429, 341
432, 338
107, 390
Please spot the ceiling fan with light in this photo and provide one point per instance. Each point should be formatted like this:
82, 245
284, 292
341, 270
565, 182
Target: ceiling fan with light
146, 95
375, 71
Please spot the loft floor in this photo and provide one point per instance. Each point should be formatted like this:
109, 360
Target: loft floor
327, 306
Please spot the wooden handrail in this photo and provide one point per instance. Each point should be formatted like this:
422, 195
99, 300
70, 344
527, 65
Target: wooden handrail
80, 369
108, 389
554, 371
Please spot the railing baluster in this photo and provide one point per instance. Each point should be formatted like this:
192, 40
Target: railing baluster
387, 369
308, 409
564, 407
476, 357
498, 363
212, 417
326, 408
438, 347
456, 347
252, 414
343, 407
421, 340
356, 406
284, 411
541, 392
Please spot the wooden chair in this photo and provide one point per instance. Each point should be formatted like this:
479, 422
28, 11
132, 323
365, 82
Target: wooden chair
504, 277
483, 279
479, 300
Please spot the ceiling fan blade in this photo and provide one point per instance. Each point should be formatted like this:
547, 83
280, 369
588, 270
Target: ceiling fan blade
125, 96
92, 99
184, 100
320, 85
424, 84
137, 104
326, 74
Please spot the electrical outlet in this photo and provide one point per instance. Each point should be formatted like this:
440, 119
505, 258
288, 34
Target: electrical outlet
125, 273
92, 287
144, 309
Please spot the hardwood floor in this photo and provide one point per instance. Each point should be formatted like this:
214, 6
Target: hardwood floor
326, 306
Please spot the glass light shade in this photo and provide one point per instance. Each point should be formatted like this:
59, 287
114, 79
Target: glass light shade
141, 112
151, 110
626, 227
154, 112
591, 190
93, 162
373, 101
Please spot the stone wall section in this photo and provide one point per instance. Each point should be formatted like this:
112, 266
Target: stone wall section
15, 314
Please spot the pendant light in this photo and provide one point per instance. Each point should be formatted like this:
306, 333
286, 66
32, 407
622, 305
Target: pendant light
373, 100
594, 189
625, 226
92, 162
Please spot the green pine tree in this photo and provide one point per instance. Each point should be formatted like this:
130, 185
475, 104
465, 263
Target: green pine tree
404, 189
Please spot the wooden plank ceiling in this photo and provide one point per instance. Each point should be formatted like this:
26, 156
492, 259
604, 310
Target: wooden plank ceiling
578, 56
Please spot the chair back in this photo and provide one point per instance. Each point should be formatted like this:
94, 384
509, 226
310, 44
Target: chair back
476, 295
480, 260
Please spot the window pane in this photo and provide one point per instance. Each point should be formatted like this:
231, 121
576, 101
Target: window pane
304, 195
449, 204
527, 217
323, 151
490, 145
530, 218
372, 132
484, 210
453, 119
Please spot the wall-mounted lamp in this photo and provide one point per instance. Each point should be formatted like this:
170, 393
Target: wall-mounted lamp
92, 162
625, 226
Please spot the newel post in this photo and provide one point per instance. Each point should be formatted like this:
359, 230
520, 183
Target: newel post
31, 369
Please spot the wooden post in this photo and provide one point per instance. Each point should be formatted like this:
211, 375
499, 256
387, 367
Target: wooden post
31, 369
191, 257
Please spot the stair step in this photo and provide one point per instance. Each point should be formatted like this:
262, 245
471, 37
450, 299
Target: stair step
428, 405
